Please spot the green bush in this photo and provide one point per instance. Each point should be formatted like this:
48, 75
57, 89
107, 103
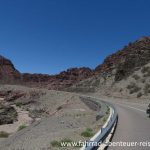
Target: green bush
87, 133
108, 110
56, 143
18, 104
22, 127
104, 119
4, 134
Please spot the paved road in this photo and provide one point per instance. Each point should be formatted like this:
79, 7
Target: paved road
133, 126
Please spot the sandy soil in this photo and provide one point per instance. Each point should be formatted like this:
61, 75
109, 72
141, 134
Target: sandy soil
23, 119
67, 117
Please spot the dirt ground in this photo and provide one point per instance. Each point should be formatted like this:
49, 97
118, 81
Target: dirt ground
65, 116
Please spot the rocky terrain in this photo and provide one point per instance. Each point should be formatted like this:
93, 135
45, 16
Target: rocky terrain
10, 75
34, 112
118, 66
123, 74
41, 117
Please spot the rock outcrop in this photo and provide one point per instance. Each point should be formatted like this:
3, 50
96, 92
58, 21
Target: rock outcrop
121, 63
10, 75
8, 114
128, 59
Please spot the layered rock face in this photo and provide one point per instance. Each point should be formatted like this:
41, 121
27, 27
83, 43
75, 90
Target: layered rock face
128, 59
8, 74
121, 64
7, 114
59, 81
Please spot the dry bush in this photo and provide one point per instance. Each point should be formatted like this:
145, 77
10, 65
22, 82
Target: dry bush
139, 94
147, 88
145, 69
136, 77
133, 88
143, 80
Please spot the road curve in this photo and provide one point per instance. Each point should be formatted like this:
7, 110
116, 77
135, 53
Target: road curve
133, 126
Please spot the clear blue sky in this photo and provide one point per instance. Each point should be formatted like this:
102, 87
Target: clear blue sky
48, 36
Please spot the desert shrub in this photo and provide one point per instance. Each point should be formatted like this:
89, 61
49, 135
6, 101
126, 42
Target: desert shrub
56, 143
147, 88
87, 133
147, 74
120, 90
59, 108
18, 104
143, 80
4, 134
108, 110
133, 88
145, 69
136, 77
104, 119
22, 127
139, 94
131, 85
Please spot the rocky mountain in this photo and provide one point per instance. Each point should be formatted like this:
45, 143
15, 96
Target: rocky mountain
115, 69
125, 73
125, 61
59, 81
10, 75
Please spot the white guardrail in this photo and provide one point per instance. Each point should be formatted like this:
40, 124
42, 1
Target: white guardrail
101, 135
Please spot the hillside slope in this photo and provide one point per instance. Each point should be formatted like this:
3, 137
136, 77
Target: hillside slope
125, 73
10, 75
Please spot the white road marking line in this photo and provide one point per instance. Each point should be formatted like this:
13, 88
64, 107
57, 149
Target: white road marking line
122, 105
132, 107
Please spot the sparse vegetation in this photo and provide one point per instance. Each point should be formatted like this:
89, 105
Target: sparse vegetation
131, 85
143, 80
108, 110
145, 69
120, 90
147, 74
147, 88
139, 94
4, 134
87, 133
136, 77
18, 104
56, 143
133, 88
59, 108
104, 119
22, 127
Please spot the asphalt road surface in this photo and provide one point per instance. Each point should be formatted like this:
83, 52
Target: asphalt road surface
133, 126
